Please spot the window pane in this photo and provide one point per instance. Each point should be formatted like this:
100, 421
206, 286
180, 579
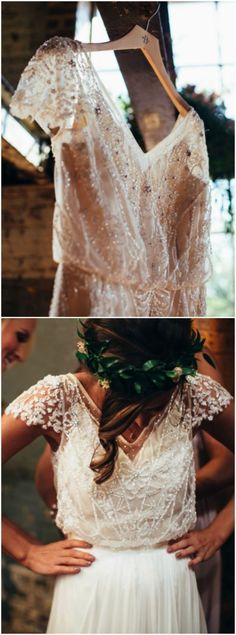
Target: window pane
228, 90
20, 138
194, 32
220, 204
114, 83
206, 78
226, 21
220, 288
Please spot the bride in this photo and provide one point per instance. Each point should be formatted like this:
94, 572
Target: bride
121, 433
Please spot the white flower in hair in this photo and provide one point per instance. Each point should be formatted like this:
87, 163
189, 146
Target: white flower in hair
104, 383
178, 372
81, 347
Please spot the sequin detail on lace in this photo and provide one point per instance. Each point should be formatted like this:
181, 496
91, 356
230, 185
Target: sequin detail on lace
50, 404
148, 499
131, 230
208, 398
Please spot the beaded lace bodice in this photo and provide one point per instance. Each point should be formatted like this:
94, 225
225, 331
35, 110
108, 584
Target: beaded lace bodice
131, 227
150, 497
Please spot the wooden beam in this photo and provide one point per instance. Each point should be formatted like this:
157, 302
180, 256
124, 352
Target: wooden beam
10, 154
154, 112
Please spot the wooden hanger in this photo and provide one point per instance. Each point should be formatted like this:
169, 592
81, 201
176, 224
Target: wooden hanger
139, 38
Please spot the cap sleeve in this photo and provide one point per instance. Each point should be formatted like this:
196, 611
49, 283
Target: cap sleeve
49, 403
207, 398
47, 91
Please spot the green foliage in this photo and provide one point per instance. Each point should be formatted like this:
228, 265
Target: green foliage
219, 131
154, 374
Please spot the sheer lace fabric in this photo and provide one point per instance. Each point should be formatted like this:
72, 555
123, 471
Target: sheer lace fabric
131, 229
150, 497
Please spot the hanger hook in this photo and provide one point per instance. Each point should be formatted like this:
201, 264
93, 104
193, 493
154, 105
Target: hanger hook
152, 16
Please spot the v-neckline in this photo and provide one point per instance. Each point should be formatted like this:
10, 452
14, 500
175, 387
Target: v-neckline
135, 449
158, 146
165, 141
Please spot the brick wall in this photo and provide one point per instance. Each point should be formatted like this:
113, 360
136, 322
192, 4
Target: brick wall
27, 266
25, 27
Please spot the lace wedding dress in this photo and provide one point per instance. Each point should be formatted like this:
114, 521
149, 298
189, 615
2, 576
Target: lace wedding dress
134, 585
131, 229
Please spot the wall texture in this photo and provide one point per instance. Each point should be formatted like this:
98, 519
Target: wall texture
27, 266
219, 334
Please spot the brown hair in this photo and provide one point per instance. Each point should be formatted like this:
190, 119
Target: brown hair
133, 341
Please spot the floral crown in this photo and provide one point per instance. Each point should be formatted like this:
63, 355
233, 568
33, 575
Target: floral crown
113, 372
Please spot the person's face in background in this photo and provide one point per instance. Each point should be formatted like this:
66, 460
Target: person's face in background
16, 336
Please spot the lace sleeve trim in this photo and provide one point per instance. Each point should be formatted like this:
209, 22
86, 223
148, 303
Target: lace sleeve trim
33, 87
48, 90
208, 398
49, 403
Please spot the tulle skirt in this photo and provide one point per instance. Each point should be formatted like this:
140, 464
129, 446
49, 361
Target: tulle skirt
128, 591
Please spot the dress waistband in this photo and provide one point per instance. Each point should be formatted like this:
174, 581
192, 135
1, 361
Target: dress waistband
144, 287
119, 548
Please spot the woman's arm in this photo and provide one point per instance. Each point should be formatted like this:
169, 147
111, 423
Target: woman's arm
218, 471
201, 544
61, 557
16, 541
221, 427
58, 557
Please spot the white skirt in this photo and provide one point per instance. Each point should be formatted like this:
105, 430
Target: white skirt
128, 591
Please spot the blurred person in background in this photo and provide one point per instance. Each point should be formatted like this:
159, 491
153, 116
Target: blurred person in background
214, 473
17, 337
